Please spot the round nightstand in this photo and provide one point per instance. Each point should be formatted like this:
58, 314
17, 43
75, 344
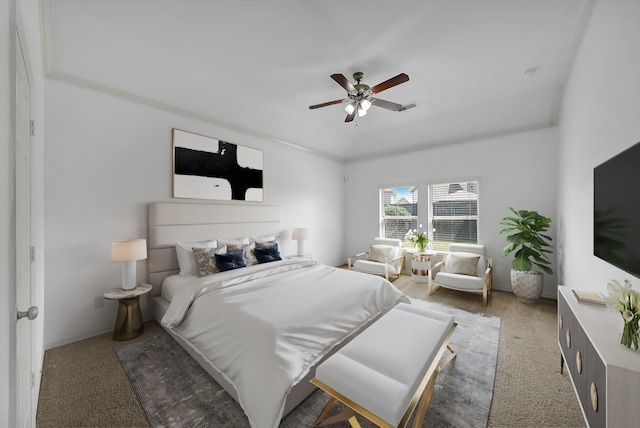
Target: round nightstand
129, 320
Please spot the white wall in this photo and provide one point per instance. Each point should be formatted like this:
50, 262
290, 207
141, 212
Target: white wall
600, 118
107, 158
517, 170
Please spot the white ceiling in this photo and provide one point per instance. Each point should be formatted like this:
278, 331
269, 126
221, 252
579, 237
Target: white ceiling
257, 65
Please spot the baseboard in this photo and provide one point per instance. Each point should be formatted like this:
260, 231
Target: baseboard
73, 339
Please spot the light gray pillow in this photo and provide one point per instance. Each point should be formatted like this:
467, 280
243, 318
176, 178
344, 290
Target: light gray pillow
382, 253
462, 265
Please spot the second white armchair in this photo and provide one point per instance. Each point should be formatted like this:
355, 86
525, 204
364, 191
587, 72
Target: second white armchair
465, 268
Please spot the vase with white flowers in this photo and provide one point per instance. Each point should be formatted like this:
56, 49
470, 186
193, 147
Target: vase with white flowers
626, 301
417, 239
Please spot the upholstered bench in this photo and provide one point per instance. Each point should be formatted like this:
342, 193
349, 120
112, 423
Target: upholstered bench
390, 368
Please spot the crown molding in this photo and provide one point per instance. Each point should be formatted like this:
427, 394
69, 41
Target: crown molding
450, 142
74, 80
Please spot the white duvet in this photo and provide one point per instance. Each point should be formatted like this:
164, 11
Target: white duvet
263, 327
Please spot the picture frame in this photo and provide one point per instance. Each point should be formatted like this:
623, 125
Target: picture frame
208, 168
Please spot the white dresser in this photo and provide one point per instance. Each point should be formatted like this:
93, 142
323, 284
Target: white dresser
605, 374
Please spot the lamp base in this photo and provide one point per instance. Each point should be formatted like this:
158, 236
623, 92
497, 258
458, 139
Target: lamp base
300, 248
129, 275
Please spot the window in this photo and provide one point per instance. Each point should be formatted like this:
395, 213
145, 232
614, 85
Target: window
453, 209
399, 206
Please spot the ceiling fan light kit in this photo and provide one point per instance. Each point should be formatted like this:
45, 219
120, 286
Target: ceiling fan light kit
360, 96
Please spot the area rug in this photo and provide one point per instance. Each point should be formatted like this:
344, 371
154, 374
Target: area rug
175, 391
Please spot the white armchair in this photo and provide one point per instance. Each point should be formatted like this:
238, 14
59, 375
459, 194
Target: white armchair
385, 257
465, 268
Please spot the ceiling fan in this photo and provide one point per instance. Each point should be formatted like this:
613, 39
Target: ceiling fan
360, 96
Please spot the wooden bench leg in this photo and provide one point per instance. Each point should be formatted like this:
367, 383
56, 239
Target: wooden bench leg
424, 401
428, 391
448, 358
348, 415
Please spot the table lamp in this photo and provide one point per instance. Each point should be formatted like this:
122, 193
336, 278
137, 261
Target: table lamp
300, 235
128, 251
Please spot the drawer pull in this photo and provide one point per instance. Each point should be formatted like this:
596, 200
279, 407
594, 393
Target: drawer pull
594, 397
579, 362
568, 339
560, 321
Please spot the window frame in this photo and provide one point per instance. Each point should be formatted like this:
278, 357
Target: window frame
412, 219
443, 245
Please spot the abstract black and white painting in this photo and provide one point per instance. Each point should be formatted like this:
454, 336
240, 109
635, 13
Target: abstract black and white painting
207, 168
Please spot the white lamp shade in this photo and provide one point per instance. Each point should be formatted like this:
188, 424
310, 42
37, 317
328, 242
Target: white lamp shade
127, 250
300, 234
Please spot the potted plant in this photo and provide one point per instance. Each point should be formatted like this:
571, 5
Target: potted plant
526, 236
417, 239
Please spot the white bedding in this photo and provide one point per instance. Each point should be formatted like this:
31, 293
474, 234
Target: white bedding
265, 326
173, 283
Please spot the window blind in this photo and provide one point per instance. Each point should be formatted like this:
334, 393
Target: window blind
454, 213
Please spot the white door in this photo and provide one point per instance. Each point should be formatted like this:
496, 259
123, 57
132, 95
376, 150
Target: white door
24, 413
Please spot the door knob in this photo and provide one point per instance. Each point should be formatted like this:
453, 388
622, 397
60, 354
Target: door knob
31, 313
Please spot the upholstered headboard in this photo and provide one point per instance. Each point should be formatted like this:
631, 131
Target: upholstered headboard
186, 222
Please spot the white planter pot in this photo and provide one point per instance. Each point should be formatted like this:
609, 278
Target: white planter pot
527, 286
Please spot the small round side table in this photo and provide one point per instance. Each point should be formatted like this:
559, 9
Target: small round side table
129, 320
421, 267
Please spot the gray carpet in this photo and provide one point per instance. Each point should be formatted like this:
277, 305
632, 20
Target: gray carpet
175, 391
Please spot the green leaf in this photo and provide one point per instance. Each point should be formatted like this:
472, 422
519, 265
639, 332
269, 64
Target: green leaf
545, 269
508, 249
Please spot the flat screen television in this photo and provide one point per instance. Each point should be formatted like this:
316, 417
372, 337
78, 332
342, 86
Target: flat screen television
616, 197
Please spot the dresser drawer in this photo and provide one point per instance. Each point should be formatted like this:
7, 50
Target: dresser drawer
594, 400
565, 324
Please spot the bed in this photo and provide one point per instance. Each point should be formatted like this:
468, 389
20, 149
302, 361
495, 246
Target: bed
259, 330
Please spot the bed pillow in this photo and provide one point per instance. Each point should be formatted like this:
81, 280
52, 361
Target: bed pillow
234, 242
229, 261
205, 259
267, 254
266, 243
263, 239
249, 257
462, 265
186, 260
381, 253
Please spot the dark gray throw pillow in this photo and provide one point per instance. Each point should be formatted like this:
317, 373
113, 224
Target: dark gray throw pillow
229, 261
267, 254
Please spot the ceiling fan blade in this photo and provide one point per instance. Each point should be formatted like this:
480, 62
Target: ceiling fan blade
350, 116
400, 78
342, 81
329, 103
385, 104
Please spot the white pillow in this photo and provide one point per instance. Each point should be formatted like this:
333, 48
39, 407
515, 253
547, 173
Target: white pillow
263, 239
462, 264
383, 253
234, 242
186, 259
